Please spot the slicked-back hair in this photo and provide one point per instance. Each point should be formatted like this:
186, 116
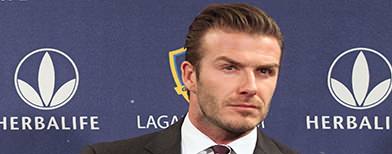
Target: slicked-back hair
233, 17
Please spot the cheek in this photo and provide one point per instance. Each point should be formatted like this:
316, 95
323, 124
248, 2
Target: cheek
266, 90
213, 93
217, 82
221, 89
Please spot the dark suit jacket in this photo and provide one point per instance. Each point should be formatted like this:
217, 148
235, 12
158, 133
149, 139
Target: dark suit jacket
168, 141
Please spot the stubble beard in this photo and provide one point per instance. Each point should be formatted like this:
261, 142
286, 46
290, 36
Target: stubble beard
210, 107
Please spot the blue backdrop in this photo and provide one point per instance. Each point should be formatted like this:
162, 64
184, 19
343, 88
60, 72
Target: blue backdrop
121, 84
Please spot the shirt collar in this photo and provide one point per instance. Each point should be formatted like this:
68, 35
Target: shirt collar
194, 141
245, 144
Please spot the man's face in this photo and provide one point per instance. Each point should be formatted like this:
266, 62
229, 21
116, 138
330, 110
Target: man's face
237, 78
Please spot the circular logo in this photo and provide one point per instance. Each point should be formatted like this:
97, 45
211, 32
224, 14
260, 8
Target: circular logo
39, 87
362, 94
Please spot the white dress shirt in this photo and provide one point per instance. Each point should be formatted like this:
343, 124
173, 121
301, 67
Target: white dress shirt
193, 141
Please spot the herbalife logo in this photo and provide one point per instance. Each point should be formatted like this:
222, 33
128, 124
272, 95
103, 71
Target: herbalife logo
370, 82
36, 82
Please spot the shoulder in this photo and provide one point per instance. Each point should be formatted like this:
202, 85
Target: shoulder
132, 145
164, 140
283, 148
269, 145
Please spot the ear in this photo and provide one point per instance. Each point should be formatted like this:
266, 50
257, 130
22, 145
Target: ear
189, 76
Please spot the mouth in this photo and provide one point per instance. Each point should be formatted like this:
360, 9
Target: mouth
244, 106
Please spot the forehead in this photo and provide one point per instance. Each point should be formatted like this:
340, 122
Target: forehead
241, 46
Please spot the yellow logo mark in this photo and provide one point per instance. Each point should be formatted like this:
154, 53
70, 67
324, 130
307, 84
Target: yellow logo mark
175, 65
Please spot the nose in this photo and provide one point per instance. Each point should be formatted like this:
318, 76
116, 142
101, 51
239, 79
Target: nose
248, 84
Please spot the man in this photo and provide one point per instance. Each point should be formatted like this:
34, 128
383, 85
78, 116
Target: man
230, 72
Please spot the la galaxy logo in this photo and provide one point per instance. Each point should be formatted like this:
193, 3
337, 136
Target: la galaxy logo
46, 79
176, 57
370, 80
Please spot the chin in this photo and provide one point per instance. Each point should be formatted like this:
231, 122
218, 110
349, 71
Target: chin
240, 130
240, 126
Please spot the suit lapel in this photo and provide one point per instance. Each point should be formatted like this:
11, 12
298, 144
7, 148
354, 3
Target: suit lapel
166, 141
264, 145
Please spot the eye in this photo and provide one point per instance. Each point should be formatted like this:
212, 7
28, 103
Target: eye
229, 68
266, 71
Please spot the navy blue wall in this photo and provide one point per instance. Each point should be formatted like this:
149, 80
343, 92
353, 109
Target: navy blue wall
125, 86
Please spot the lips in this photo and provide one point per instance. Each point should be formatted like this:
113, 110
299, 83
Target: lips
244, 105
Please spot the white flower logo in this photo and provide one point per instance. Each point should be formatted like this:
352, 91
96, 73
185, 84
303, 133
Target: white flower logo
47, 98
360, 98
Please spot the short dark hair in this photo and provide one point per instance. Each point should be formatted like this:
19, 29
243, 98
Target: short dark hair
234, 17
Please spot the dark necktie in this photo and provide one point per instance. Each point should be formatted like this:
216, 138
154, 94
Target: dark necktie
220, 149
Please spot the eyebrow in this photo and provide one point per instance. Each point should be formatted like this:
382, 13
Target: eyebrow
232, 61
